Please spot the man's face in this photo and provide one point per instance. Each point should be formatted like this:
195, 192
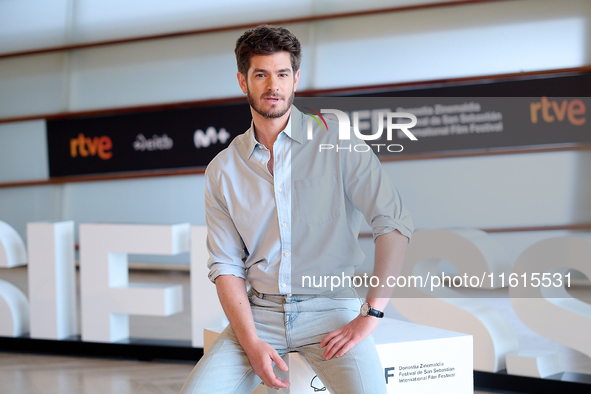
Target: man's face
270, 84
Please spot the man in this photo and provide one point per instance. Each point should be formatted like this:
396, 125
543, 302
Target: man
277, 211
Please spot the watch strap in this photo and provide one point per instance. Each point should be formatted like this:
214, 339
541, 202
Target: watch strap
375, 313
367, 310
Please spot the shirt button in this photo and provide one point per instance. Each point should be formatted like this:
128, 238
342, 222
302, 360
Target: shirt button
284, 224
286, 254
262, 162
279, 189
283, 285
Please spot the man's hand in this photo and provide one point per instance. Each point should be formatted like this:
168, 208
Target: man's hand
261, 356
234, 300
340, 341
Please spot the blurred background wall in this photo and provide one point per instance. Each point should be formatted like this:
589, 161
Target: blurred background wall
477, 39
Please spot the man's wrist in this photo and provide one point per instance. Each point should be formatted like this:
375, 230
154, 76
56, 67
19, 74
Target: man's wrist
366, 310
249, 343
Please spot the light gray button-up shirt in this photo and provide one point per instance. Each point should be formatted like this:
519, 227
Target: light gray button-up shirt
302, 220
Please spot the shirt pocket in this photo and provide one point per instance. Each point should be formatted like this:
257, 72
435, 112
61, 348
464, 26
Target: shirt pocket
317, 199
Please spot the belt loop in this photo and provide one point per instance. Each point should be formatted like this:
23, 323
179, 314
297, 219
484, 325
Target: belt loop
256, 293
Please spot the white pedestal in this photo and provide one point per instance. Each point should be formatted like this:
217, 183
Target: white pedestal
421, 359
415, 360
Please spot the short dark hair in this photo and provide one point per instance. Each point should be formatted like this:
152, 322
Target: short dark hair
267, 40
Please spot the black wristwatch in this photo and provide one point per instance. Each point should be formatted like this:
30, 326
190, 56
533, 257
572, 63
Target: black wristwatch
367, 310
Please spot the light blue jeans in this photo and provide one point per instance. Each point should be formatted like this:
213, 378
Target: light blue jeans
291, 324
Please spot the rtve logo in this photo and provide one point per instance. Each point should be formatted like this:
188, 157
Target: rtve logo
86, 146
211, 136
573, 110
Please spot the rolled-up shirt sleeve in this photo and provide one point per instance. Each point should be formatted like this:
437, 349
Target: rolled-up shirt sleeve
371, 191
224, 244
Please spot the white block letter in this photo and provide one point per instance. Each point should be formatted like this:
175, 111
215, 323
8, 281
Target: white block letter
12, 247
14, 311
52, 280
547, 307
472, 252
106, 295
14, 306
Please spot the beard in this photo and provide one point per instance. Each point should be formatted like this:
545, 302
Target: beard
274, 112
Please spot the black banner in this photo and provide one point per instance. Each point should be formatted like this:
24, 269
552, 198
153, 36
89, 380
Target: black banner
188, 137
449, 118
450, 124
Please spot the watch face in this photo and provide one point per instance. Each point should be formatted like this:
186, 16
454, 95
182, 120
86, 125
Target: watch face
364, 309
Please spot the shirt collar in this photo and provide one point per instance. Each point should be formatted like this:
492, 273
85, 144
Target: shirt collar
292, 130
295, 125
251, 142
